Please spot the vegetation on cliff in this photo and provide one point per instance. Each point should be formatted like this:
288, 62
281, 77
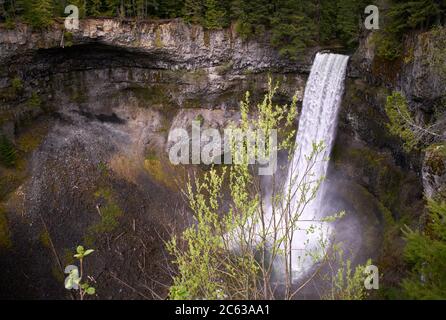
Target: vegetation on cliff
8, 155
291, 23
404, 17
426, 255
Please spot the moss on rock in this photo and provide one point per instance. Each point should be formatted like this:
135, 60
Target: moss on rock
109, 213
436, 158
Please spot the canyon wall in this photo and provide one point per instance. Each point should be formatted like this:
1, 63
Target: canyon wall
102, 101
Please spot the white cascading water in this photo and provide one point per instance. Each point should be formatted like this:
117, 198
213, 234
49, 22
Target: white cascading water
317, 124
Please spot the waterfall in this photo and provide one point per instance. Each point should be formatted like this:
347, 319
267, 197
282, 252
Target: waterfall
317, 124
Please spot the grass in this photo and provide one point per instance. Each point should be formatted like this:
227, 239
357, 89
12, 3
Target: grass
13, 158
155, 169
14, 91
110, 213
32, 139
158, 40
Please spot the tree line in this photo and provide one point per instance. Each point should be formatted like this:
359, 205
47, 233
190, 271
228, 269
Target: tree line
293, 24
403, 17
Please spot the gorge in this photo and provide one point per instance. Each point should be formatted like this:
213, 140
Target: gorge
90, 122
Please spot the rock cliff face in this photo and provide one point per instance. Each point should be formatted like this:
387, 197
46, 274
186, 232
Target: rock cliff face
185, 66
423, 80
174, 43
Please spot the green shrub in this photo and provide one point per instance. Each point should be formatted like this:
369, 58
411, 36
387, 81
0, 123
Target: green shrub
8, 153
401, 120
34, 101
426, 255
388, 46
17, 84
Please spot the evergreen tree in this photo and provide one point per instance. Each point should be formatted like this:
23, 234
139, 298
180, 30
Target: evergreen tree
114, 8
9, 9
426, 255
59, 7
153, 7
292, 29
422, 14
215, 15
252, 18
404, 16
349, 21
18, 7
39, 13
140, 9
328, 20
94, 8
193, 11
171, 8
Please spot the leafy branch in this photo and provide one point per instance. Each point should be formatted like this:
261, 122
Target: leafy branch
75, 275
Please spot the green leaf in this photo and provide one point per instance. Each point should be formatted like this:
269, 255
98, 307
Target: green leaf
90, 291
78, 256
72, 281
80, 249
85, 286
88, 252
